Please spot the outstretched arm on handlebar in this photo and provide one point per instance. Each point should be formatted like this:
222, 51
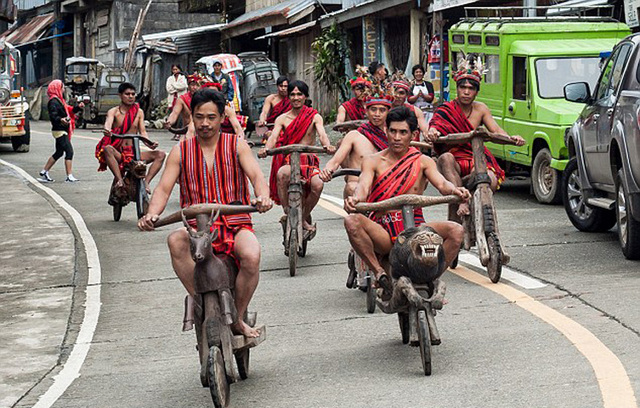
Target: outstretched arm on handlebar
364, 185
162, 192
441, 184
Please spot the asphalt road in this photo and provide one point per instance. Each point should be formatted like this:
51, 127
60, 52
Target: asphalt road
571, 342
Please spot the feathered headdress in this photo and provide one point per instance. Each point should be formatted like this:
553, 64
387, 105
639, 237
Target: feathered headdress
384, 100
360, 81
469, 67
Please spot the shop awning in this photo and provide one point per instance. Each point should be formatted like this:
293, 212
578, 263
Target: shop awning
573, 7
181, 41
289, 31
286, 12
358, 11
30, 32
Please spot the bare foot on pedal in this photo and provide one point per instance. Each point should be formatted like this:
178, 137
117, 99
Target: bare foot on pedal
245, 330
463, 209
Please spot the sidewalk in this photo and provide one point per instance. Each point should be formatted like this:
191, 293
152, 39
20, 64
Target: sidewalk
37, 259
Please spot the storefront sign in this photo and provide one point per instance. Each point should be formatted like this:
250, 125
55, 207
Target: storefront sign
439, 5
631, 12
370, 36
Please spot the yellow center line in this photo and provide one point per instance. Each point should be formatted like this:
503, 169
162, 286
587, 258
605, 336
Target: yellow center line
614, 383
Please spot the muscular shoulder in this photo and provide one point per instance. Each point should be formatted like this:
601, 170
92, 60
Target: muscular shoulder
426, 161
481, 107
270, 99
112, 111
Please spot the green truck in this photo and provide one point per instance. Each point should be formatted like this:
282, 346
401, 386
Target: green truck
528, 62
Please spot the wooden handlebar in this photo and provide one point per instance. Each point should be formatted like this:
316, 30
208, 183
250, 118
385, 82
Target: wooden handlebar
345, 172
345, 127
144, 140
192, 211
458, 138
295, 148
414, 200
421, 145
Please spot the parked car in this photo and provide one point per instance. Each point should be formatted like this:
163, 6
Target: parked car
528, 62
601, 183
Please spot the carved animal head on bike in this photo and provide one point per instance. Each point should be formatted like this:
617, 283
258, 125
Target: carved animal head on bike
200, 241
418, 255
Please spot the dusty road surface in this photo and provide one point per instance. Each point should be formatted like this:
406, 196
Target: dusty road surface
92, 316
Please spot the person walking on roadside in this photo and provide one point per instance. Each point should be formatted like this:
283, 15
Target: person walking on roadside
62, 117
176, 85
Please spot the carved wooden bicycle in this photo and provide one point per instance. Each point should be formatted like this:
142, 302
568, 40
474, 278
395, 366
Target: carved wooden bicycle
359, 275
295, 238
133, 176
214, 307
415, 304
481, 225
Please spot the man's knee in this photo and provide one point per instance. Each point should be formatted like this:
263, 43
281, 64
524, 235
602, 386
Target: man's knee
446, 161
284, 174
247, 251
178, 242
109, 151
160, 155
316, 185
456, 233
353, 224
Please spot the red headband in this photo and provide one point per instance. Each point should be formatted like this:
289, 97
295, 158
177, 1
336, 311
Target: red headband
401, 84
384, 101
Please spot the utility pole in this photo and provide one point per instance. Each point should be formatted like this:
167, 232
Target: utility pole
56, 58
529, 12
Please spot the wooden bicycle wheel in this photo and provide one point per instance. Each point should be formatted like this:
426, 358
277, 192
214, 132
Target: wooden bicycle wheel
371, 295
425, 341
218, 384
293, 251
494, 267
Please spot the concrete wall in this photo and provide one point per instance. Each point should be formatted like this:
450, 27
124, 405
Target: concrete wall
252, 5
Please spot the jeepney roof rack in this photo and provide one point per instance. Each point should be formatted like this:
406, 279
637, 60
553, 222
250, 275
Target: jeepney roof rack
558, 13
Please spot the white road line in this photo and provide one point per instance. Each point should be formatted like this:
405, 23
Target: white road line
71, 369
524, 281
470, 259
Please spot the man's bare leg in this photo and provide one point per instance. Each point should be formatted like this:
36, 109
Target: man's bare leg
367, 239
113, 158
156, 158
450, 169
310, 201
283, 177
183, 264
247, 250
452, 234
350, 186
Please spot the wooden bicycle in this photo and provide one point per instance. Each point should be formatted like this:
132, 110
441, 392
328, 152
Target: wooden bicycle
481, 225
214, 304
295, 238
415, 304
133, 176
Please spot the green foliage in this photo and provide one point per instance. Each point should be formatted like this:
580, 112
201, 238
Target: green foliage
331, 50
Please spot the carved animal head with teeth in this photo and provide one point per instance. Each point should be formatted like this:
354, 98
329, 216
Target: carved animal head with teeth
418, 255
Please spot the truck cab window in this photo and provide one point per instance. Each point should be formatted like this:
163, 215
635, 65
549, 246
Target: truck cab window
520, 78
612, 72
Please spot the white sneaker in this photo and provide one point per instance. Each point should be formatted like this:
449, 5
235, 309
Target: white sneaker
44, 177
71, 179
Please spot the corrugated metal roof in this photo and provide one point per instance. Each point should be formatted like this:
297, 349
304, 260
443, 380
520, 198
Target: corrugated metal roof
32, 31
289, 31
286, 9
196, 40
173, 35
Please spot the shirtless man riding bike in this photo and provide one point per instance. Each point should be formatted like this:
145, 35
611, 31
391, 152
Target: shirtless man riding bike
399, 169
115, 153
298, 126
214, 167
462, 115
368, 139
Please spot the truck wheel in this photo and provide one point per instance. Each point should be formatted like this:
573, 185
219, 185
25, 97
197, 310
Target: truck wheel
628, 227
545, 179
21, 143
583, 217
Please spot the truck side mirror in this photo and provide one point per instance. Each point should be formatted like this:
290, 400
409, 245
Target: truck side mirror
577, 92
